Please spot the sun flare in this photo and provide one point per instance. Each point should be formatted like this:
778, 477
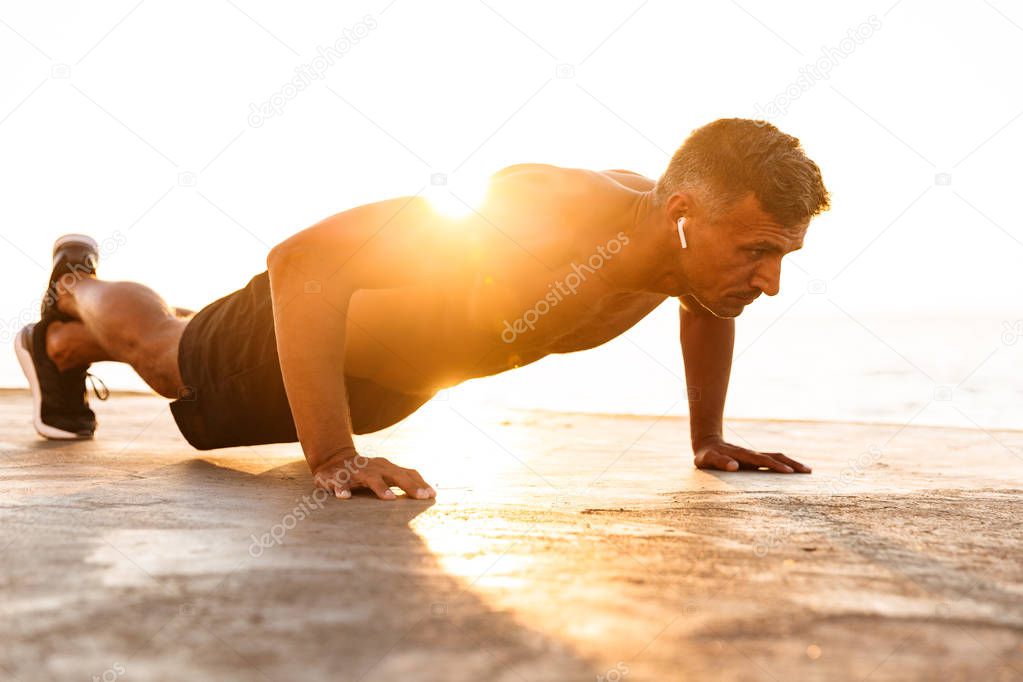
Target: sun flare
456, 196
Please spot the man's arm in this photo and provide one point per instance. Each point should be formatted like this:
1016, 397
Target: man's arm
312, 278
707, 346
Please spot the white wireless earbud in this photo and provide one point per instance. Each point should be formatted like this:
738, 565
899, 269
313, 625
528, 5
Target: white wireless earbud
682, 232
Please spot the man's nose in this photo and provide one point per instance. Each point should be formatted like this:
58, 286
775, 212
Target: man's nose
767, 278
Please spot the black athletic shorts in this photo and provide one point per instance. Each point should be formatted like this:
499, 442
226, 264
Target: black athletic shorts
234, 393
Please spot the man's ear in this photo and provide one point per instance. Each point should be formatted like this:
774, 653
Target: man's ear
679, 205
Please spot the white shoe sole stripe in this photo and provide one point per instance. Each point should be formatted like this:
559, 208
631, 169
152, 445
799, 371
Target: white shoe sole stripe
29, 368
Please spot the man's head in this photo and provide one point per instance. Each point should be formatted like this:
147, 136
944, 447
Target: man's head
746, 193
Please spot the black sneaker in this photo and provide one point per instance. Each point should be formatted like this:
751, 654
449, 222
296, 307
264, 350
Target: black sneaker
60, 402
74, 255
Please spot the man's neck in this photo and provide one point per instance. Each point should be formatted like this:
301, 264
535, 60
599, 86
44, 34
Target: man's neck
651, 261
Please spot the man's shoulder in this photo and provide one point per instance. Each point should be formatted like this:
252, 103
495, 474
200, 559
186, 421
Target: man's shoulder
572, 183
563, 183
630, 179
570, 206
524, 168
541, 174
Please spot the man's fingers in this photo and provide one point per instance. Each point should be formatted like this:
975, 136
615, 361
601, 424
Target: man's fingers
335, 487
379, 475
741, 458
421, 484
417, 478
801, 468
409, 481
768, 461
715, 460
376, 484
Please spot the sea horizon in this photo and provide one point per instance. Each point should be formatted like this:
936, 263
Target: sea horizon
875, 370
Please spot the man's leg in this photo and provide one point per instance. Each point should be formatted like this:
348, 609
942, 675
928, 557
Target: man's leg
119, 321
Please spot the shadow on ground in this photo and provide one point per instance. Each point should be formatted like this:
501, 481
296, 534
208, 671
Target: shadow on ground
200, 571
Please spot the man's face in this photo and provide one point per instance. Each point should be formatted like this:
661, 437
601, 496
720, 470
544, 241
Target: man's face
737, 256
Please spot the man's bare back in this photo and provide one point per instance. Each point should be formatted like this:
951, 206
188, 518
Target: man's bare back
547, 243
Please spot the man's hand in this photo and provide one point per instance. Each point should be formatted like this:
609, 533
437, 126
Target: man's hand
715, 453
348, 470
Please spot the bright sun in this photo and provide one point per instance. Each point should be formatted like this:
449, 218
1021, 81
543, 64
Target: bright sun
456, 196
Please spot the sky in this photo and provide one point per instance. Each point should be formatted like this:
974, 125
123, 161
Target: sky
169, 132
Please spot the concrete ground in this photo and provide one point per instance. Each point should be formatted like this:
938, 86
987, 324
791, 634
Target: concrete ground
561, 547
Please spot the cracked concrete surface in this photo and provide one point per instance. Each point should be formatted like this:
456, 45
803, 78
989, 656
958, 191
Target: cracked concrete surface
561, 547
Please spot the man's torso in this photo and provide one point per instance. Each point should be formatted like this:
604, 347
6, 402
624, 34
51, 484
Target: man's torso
531, 275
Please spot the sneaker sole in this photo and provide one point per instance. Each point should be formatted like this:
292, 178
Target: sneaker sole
49, 297
29, 368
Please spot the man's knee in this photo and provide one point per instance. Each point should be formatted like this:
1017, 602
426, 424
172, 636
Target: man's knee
136, 318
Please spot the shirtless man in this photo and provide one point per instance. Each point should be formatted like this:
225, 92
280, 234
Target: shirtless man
361, 318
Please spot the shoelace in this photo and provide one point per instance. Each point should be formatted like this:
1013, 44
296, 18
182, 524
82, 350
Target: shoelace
92, 379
